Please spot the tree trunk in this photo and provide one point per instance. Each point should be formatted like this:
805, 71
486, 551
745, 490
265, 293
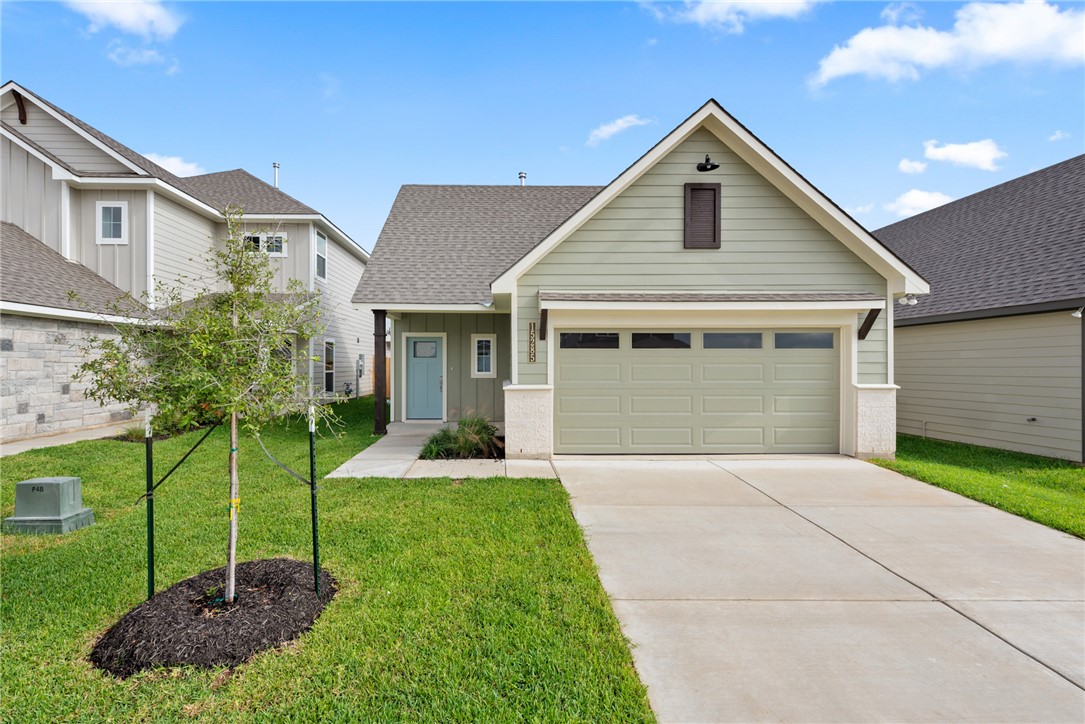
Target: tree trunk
235, 501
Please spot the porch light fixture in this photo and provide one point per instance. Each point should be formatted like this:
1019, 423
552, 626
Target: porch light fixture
1077, 312
707, 165
908, 300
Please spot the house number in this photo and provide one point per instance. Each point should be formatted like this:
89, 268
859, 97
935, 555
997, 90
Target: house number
530, 341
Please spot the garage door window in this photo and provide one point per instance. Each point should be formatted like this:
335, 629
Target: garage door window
661, 340
732, 340
589, 340
804, 340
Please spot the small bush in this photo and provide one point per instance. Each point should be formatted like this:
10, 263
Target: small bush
473, 437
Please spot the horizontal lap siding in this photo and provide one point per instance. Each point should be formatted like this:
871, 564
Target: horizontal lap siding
351, 328
295, 265
635, 242
979, 381
61, 141
183, 241
466, 395
31, 198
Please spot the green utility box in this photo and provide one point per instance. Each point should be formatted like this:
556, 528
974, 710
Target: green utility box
49, 505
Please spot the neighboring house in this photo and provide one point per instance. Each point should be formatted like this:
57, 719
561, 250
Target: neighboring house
994, 355
734, 310
83, 212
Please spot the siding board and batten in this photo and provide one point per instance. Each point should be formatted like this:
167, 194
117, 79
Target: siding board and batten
636, 242
979, 381
125, 265
31, 198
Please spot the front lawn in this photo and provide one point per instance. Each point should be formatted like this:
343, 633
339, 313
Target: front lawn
473, 600
1045, 490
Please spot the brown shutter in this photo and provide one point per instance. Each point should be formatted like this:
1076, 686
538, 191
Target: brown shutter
702, 216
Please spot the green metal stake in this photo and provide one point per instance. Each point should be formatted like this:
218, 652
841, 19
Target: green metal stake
312, 488
148, 441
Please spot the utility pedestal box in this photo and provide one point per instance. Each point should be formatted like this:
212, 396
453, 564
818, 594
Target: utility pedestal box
49, 505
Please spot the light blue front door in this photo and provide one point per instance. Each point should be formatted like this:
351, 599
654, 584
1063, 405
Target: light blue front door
425, 378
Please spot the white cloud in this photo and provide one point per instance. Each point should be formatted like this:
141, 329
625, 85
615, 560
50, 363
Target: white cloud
124, 56
861, 209
982, 34
731, 16
608, 130
1058, 136
176, 165
907, 165
146, 18
978, 154
903, 12
915, 202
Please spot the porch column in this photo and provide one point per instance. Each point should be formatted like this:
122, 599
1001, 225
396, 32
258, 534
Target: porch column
380, 374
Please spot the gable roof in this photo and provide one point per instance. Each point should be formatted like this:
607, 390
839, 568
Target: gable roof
241, 188
765, 161
1019, 243
446, 244
32, 273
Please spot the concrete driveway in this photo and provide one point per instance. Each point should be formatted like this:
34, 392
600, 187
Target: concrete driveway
825, 589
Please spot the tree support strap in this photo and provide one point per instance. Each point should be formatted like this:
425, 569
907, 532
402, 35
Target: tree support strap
274, 460
150, 492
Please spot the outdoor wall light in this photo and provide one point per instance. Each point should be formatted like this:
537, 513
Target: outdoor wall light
908, 299
1077, 312
707, 165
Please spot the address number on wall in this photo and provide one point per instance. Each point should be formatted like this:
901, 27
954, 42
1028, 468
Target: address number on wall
531, 341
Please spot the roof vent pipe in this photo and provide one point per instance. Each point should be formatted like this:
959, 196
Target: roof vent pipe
275, 166
523, 178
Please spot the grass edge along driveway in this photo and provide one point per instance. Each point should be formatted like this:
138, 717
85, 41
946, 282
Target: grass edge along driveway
1045, 490
472, 600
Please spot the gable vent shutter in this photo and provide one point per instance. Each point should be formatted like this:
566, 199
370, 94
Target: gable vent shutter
702, 216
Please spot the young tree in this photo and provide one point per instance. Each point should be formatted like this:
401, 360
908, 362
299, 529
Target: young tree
225, 353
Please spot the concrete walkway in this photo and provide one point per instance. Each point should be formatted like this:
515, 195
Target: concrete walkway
66, 438
396, 456
830, 590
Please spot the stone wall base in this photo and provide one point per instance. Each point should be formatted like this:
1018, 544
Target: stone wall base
529, 421
876, 421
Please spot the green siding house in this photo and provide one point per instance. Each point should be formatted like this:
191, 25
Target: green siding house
709, 300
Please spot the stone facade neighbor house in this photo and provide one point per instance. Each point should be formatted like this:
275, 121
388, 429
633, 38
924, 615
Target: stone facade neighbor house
994, 355
708, 300
82, 212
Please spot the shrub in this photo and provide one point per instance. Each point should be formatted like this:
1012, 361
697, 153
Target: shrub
473, 437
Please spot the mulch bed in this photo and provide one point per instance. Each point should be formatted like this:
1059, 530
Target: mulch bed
187, 624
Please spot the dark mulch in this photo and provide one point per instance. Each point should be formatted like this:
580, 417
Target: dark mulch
189, 624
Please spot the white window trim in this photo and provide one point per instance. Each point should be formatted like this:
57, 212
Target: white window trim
492, 374
318, 256
263, 236
98, 206
324, 367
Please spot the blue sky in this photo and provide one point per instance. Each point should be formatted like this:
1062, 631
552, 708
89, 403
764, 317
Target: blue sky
886, 107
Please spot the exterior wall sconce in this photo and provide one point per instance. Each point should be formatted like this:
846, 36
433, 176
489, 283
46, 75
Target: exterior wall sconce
707, 165
908, 300
1077, 312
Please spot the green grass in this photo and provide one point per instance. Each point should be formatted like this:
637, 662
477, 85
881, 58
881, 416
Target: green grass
1045, 490
458, 601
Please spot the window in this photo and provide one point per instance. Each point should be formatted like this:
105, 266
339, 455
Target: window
589, 340
804, 340
271, 244
329, 366
321, 257
485, 351
660, 340
425, 350
732, 340
702, 216
112, 222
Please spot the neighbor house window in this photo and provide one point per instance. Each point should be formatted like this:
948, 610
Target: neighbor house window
702, 230
112, 222
270, 244
329, 365
321, 256
485, 355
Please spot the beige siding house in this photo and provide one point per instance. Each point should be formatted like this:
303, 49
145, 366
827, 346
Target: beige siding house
709, 299
83, 212
993, 356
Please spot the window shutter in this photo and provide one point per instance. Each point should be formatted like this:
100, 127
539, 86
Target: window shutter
702, 216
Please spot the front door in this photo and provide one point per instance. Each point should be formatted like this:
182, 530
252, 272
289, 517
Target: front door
425, 378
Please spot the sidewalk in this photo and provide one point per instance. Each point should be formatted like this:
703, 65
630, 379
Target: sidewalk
65, 438
396, 456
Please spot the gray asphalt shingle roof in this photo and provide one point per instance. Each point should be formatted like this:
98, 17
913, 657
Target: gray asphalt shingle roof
1021, 242
664, 297
445, 244
32, 273
241, 188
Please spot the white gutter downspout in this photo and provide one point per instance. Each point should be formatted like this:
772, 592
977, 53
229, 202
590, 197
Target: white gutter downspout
150, 248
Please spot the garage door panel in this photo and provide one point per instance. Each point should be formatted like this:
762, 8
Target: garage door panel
803, 372
677, 404
732, 404
590, 437
715, 372
802, 436
805, 404
661, 437
590, 404
744, 437
581, 372
661, 372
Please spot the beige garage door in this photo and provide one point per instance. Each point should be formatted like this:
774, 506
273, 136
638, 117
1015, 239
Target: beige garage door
697, 390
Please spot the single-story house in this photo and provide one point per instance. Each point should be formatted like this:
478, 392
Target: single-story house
993, 356
708, 300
